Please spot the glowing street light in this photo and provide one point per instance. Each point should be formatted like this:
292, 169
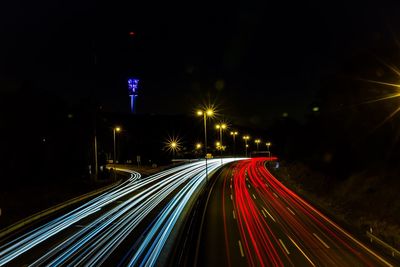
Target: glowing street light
116, 129
198, 147
257, 141
207, 112
246, 138
221, 127
234, 133
173, 145
268, 144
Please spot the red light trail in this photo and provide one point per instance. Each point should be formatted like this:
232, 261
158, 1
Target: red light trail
278, 228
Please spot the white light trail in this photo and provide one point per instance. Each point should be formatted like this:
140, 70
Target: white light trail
127, 205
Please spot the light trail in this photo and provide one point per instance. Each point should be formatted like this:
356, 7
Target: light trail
109, 218
257, 236
315, 239
151, 248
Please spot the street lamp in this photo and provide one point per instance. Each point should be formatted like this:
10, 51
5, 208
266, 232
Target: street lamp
198, 146
246, 138
257, 141
234, 133
268, 144
173, 144
205, 113
116, 129
173, 148
208, 112
220, 127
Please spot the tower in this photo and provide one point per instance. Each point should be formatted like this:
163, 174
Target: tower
133, 84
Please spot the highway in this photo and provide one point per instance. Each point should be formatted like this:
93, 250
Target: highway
251, 219
134, 223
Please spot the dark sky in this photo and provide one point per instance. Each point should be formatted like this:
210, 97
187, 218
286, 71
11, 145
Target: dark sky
265, 59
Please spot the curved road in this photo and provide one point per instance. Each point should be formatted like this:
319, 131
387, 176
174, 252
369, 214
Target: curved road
135, 223
252, 219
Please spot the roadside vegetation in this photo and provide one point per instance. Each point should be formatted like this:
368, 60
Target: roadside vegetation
363, 201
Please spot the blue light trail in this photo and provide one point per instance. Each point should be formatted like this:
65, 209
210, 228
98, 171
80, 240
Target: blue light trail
107, 220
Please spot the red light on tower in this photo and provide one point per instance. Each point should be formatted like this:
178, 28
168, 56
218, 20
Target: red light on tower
132, 34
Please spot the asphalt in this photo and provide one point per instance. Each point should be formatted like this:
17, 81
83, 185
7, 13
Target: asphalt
251, 219
217, 229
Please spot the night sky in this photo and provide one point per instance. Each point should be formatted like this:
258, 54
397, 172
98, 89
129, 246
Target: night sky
64, 67
254, 61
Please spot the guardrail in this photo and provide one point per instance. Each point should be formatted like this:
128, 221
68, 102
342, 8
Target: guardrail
383, 244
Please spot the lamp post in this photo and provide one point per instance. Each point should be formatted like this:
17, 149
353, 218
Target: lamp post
198, 147
246, 138
205, 113
257, 141
268, 144
173, 146
116, 129
234, 133
220, 127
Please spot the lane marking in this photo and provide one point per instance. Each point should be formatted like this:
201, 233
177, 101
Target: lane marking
263, 213
234, 216
321, 240
275, 195
231, 197
231, 186
304, 254
284, 247
241, 249
248, 185
291, 211
254, 196
269, 214
344, 232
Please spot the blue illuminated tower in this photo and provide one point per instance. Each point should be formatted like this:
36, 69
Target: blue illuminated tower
133, 84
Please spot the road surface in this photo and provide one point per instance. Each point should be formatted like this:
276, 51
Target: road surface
251, 219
